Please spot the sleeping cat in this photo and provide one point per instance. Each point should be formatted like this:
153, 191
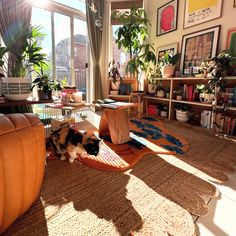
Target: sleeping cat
73, 142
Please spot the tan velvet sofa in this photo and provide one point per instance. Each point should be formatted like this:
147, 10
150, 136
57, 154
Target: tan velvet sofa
22, 164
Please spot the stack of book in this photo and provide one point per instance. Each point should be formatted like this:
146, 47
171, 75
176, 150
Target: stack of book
225, 124
2, 99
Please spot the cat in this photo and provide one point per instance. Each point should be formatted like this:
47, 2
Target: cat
73, 142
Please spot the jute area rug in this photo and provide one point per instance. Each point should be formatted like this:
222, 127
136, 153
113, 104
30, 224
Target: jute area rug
153, 198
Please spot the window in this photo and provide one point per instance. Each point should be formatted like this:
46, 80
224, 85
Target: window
66, 42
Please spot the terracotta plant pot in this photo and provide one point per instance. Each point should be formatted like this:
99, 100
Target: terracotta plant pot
152, 88
115, 86
167, 71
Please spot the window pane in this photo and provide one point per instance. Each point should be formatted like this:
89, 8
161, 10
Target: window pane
119, 55
80, 53
62, 47
76, 4
42, 18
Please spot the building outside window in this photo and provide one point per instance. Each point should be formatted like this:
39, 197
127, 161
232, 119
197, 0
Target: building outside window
66, 42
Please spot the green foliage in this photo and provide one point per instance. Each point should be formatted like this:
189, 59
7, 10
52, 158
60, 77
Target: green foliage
44, 81
169, 59
113, 72
131, 36
202, 88
24, 51
218, 67
153, 73
3, 51
182, 107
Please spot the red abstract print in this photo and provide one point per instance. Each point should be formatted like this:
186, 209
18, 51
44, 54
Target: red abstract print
167, 17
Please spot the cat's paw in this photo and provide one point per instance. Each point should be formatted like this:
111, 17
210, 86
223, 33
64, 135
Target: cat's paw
63, 158
71, 160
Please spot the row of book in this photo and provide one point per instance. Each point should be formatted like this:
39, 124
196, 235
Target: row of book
189, 92
222, 123
228, 97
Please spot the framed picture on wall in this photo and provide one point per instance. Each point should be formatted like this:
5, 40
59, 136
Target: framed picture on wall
197, 12
170, 48
196, 47
167, 18
231, 40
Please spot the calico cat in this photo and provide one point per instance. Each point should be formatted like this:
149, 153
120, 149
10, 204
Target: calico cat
73, 142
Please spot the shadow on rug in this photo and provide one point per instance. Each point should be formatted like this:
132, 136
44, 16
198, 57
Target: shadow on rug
151, 199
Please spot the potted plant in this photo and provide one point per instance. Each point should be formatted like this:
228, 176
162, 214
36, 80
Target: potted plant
23, 54
167, 92
168, 63
153, 74
132, 36
178, 95
45, 84
182, 112
160, 90
114, 75
206, 95
164, 111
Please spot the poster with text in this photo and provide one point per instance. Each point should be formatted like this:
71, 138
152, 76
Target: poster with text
197, 12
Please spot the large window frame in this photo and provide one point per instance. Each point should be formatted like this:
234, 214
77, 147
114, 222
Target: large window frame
54, 7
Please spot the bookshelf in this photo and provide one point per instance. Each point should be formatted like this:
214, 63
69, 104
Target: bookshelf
196, 106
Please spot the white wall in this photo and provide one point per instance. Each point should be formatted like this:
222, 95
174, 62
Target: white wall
227, 21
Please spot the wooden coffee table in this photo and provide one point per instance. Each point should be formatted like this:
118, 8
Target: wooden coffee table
115, 122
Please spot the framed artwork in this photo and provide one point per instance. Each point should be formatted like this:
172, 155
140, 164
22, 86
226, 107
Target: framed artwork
196, 47
231, 40
197, 12
167, 18
171, 48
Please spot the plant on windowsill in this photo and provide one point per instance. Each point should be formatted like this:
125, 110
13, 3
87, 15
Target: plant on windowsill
132, 36
167, 63
44, 83
24, 54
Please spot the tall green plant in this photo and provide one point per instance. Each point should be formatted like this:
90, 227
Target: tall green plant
132, 36
24, 51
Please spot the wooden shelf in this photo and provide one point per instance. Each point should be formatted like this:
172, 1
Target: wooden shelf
160, 99
119, 96
193, 103
227, 108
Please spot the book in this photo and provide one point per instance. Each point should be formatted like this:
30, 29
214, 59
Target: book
117, 105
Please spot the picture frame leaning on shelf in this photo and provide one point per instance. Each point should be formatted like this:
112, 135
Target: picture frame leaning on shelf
198, 46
